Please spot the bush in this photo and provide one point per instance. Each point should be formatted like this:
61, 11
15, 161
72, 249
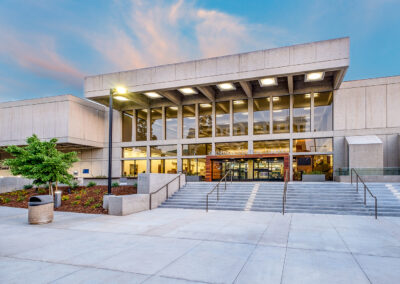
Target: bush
91, 184
65, 197
97, 191
97, 205
5, 200
20, 198
89, 201
28, 186
74, 185
78, 197
83, 192
76, 202
41, 191
115, 184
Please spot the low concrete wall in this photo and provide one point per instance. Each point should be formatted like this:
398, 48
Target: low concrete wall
127, 204
8, 184
104, 181
369, 178
148, 183
313, 178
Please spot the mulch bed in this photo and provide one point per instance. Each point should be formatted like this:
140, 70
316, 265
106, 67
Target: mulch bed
81, 199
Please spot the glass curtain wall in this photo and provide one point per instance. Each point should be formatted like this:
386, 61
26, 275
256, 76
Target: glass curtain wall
321, 145
194, 167
302, 113
141, 124
231, 148
127, 117
222, 119
156, 124
189, 121
323, 120
313, 164
205, 120
131, 168
272, 146
196, 149
163, 151
171, 122
134, 152
281, 114
166, 166
240, 117
261, 111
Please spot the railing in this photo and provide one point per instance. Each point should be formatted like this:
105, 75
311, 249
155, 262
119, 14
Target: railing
393, 171
224, 178
166, 187
286, 180
365, 190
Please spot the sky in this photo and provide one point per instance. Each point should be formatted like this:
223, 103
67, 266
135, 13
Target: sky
47, 47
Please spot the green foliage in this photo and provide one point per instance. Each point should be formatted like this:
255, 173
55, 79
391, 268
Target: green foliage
97, 191
28, 186
76, 202
42, 191
135, 184
5, 199
46, 186
89, 201
97, 205
65, 197
115, 184
41, 161
78, 197
83, 192
74, 185
91, 184
21, 198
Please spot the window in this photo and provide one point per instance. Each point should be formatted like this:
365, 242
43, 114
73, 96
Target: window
205, 120
194, 167
323, 111
156, 124
231, 148
127, 126
166, 166
134, 152
240, 117
189, 122
317, 164
163, 151
196, 149
141, 125
171, 122
222, 119
281, 114
131, 168
322, 145
302, 113
261, 113
272, 146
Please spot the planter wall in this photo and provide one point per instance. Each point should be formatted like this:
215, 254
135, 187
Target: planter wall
313, 178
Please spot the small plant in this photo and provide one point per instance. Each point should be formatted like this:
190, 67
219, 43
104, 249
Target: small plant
74, 185
83, 191
20, 198
78, 197
91, 184
89, 201
97, 205
6, 200
115, 184
135, 184
22, 192
41, 191
28, 186
76, 202
65, 197
97, 191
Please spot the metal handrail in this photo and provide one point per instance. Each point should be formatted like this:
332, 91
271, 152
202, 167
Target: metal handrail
286, 180
165, 185
217, 187
365, 190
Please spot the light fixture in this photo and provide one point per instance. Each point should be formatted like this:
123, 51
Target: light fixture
275, 99
278, 110
205, 105
307, 95
153, 95
226, 87
307, 108
240, 102
265, 82
174, 108
121, 90
314, 76
121, 98
188, 91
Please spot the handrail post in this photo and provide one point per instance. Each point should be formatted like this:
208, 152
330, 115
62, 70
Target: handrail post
376, 208
150, 201
167, 192
365, 195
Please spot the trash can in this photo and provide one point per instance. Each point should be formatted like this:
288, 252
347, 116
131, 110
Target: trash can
40, 209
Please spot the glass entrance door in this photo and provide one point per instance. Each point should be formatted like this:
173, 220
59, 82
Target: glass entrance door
239, 169
268, 169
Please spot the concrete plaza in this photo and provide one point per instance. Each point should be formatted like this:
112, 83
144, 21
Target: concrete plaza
192, 246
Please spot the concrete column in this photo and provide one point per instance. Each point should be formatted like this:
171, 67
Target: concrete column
180, 122
196, 106
148, 159
250, 116
134, 125
312, 112
291, 113
250, 147
231, 118
163, 130
271, 124
179, 157
213, 119
148, 124
291, 159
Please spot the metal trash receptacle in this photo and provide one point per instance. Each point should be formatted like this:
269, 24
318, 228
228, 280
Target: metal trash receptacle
40, 209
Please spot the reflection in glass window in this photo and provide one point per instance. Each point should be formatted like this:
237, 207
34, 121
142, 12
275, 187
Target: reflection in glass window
271, 146
222, 119
166, 166
231, 148
316, 164
127, 117
171, 122
281, 114
141, 125
156, 124
196, 149
134, 152
189, 122
163, 151
205, 120
240, 117
322, 145
194, 167
261, 116
323, 111
132, 168
302, 113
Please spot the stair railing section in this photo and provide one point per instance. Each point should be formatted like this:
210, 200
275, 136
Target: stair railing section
166, 187
358, 178
216, 187
285, 185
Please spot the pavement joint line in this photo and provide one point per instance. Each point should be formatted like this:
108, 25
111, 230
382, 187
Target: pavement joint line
68, 274
287, 242
176, 278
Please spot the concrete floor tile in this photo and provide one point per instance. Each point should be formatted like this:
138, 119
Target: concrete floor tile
380, 270
277, 231
166, 280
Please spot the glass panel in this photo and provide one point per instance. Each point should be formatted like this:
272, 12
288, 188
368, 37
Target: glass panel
261, 116
232, 148
313, 164
189, 122
189, 166
156, 124
201, 167
222, 119
133, 167
323, 111
167, 166
157, 167
163, 151
273, 146
134, 152
141, 125
281, 114
205, 120
171, 122
313, 145
196, 149
127, 117
240, 117
171, 166
302, 113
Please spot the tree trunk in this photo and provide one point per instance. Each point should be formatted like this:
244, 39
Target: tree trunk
51, 188
56, 185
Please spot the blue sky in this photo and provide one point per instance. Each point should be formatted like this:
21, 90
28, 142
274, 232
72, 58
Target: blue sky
48, 46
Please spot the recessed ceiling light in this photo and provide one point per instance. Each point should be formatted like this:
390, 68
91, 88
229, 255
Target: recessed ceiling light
153, 95
173, 108
314, 76
275, 99
187, 91
265, 82
238, 102
205, 105
226, 87
121, 98
121, 90
307, 95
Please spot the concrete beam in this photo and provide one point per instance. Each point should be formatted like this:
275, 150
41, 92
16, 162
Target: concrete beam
139, 99
208, 92
246, 86
174, 97
290, 84
338, 78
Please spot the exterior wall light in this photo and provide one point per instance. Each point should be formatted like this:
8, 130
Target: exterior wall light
314, 76
265, 82
152, 95
226, 87
188, 91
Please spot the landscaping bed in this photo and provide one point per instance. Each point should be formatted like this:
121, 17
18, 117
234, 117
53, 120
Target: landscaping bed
81, 199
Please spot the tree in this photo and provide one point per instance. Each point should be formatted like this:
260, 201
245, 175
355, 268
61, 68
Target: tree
41, 161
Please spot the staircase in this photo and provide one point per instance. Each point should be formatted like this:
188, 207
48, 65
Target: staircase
388, 195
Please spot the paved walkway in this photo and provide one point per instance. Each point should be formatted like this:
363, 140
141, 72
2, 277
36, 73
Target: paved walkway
185, 246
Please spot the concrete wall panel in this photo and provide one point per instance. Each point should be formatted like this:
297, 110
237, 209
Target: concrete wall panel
393, 105
355, 109
228, 64
339, 109
251, 61
185, 70
301, 54
332, 49
277, 57
206, 68
163, 74
375, 106
111, 81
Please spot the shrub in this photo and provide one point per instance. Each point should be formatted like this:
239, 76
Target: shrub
91, 184
78, 197
20, 198
97, 191
41, 191
97, 205
74, 185
22, 192
6, 200
28, 186
76, 202
89, 201
65, 197
83, 192
115, 184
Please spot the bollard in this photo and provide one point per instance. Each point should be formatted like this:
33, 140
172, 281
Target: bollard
57, 199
